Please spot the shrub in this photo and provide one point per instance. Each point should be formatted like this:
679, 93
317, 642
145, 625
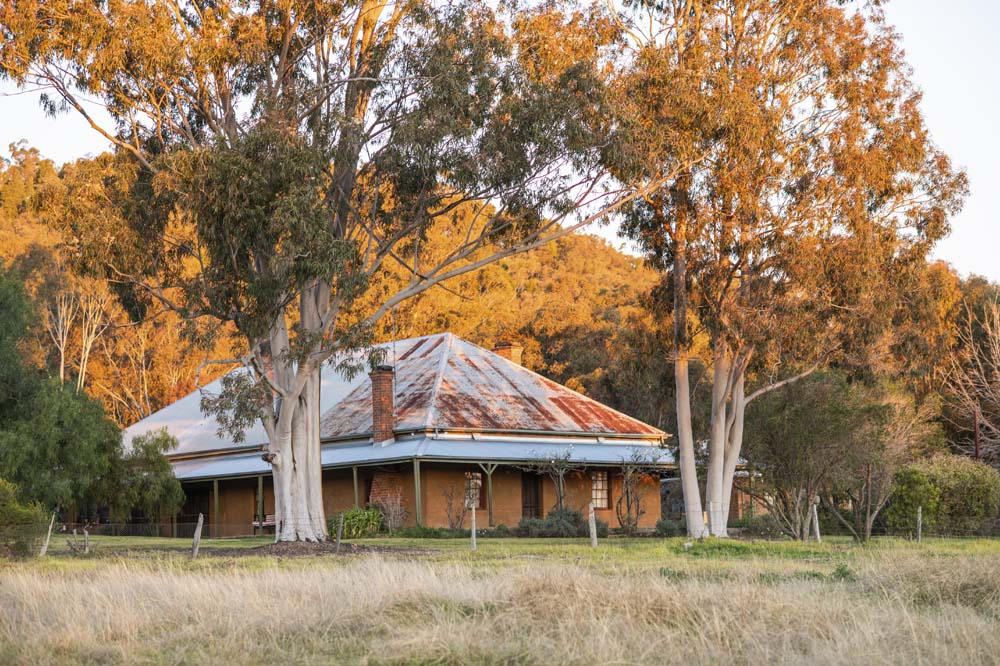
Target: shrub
912, 488
560, 523
968, 492
422, 532
530, 527
666, 528
358, 523
502, 530
22, 524
763, 527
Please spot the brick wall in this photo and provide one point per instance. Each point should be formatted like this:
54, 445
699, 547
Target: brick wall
383, 403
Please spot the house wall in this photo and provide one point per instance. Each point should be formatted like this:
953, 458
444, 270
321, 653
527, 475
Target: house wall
237, 506
238, 497
436, 480
579, 494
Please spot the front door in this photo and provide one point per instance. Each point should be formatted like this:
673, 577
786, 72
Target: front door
531, 495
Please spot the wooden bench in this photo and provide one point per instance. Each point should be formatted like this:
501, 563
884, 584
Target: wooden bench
263, 524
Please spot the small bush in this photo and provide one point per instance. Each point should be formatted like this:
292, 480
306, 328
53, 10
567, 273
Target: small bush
560, 523
912, 488
22, 524
968, 493
762, 527
843, 574
358, 523
421, 532
666, 528
502, 530
530, 527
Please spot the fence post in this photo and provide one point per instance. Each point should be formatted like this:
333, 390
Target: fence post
473, 530
48, 536
340, 531
920, 523
816, 523
593, 526
197, 536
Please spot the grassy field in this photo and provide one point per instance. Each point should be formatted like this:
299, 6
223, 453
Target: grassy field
514, 602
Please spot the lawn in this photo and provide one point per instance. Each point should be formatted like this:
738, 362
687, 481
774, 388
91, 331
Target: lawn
142, 600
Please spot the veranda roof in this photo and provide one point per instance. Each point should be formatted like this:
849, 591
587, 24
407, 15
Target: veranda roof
439, 448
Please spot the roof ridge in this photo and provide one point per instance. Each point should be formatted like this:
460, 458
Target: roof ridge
436, 387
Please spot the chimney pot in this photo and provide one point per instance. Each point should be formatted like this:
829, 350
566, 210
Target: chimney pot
383, 403
511, 351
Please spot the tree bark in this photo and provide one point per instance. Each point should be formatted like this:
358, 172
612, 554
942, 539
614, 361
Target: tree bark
718, 512
298, 514
734, 439
685, 433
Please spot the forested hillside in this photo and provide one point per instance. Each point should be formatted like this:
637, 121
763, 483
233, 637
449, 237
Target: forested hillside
577, 305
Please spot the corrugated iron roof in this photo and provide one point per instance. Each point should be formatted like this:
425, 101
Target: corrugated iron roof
442, 383
586, 451
446, 383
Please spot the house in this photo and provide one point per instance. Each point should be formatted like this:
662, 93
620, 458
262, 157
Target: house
446, 414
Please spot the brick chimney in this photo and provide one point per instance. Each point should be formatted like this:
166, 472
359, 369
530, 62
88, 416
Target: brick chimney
509, 350
383, 403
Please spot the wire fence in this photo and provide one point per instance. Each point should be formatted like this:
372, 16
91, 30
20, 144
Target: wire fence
27, 540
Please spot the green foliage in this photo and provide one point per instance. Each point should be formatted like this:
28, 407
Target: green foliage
16, 380
149, 484
358, 523
969, 492
666, 528
21, 523
560, 523
763, 527
843, 573
912, 487
62, 450
423, 532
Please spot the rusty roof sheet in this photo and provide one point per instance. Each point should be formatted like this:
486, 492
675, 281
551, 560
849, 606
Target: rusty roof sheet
446, 383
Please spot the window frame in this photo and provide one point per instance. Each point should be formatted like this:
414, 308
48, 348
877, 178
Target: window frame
605, 476
476, 477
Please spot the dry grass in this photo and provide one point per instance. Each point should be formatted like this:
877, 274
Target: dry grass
889, 605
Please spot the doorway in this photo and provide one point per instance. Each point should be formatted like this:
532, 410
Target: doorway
531, 495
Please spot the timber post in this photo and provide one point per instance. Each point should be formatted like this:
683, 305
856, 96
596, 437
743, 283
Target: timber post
197, 536
488, 469
472, 532
592, 520
418, 509
260, 502
354, 472
215, 509
815, 521
920, 522
340, 530
48, 537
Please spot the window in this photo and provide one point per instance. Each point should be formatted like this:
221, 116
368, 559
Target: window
474, 492
600, 495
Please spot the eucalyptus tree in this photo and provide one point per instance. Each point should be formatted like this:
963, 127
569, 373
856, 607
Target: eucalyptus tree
819, 186
282, 153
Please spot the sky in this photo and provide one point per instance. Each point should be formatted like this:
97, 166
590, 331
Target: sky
951, 46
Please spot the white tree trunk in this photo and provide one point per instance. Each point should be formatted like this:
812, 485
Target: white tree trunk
734, 443
297, 470
718, 512
685, 443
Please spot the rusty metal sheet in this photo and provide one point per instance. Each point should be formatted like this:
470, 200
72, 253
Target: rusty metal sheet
446, 383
